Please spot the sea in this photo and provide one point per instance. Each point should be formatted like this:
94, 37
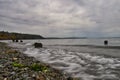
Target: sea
86, 59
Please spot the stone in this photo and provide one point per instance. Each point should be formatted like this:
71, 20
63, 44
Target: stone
38, 45
1, 66
17, 79
40, 77
16, 40
11, 51
25, 75
5, 79
12, 73
33, 75
21, 40
15, 59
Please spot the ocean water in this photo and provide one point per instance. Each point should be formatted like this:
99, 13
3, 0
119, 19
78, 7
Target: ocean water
87, 59
92, 41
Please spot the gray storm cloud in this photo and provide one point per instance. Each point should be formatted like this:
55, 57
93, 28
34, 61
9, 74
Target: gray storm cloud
90, 18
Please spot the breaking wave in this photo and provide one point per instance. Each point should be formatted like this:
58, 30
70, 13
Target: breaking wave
83, 65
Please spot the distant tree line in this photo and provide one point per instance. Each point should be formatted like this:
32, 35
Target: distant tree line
8, 36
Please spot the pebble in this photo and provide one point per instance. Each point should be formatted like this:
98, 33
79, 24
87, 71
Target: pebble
12, 73
17, 79
5, 78
33, 75
15, 59
25, 75
9, 72
1, 66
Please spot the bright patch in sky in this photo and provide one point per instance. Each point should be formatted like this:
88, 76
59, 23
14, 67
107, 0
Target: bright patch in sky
61, 18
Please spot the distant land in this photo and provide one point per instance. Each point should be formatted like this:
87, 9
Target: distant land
4, 35
66, 37
12, 35
82, 37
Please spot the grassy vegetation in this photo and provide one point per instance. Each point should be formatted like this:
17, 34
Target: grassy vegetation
9, 36
34, 66
38, 67
15, 64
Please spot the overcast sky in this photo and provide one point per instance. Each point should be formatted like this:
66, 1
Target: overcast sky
61, 18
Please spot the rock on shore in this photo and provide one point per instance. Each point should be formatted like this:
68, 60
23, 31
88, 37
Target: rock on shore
17, 66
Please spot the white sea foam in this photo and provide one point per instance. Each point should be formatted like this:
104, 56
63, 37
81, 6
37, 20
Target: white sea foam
83, 65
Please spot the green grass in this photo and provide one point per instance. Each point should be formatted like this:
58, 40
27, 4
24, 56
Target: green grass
34, 66
15, 64
38, 67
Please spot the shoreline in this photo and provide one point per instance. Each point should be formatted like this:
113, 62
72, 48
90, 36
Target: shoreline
108, 51
92, 46
15, 65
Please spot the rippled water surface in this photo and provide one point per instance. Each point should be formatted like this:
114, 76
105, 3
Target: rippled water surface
86, 63
82, 65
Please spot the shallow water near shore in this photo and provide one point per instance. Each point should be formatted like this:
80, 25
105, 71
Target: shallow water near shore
84, 62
